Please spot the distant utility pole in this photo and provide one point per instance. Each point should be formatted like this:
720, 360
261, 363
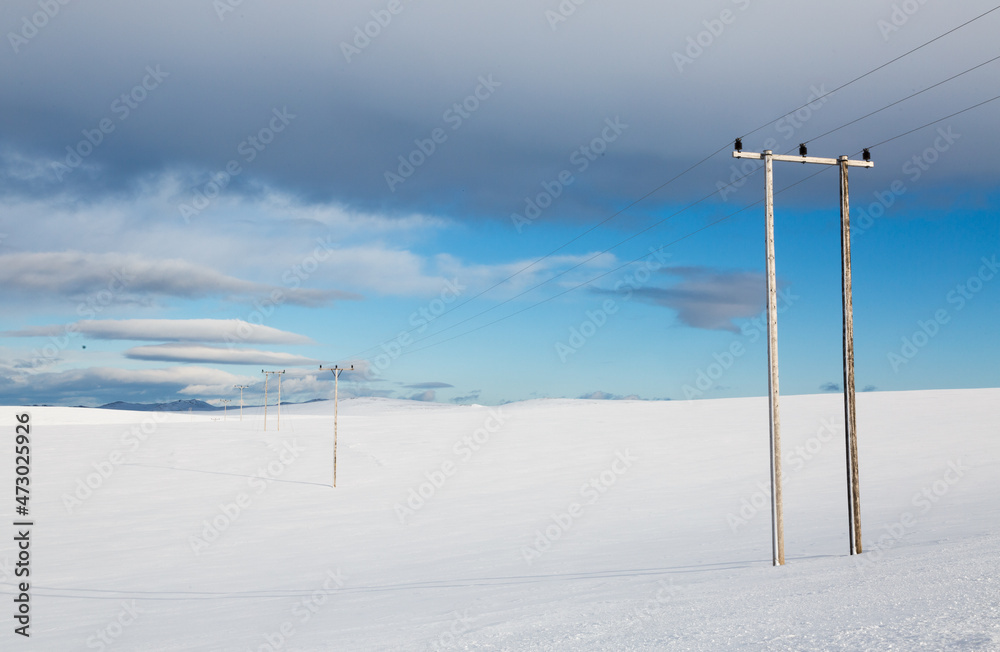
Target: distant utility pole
267, 375
225, 405
336, 382
853, 488
241, 388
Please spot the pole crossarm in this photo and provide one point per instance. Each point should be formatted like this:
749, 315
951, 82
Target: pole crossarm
789, 158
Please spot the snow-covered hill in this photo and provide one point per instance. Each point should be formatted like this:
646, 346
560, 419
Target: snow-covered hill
544, 525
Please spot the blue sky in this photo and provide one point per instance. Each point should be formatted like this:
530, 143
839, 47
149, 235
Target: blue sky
192, 192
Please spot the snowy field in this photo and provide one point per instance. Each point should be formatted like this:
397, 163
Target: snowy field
542, 525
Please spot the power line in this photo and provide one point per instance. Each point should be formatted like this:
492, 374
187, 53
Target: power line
671, 180
611, 271
707, 226
645, 230
874, 70
934, 122
912, 95
557, 249
580, 264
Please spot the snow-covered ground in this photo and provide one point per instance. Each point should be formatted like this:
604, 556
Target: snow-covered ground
543, 525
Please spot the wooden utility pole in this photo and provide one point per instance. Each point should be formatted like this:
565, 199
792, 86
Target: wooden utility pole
336, 382
241, 388
853, 490
850, 421
225, 406
777, 513
267, 375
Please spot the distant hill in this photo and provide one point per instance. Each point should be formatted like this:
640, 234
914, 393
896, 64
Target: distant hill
192, 404
174, 406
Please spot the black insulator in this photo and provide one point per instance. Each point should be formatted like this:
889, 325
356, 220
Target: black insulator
866, 155
802, 149
739, 144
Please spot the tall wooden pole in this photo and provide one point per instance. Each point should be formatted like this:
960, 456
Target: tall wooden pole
336, 400
267, 374
850, 420
777, 520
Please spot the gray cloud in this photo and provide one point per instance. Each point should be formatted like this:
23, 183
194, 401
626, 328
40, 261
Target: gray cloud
170, 330
468, 398
214, 354
429, 385
105, 384
605, 396
830, 387
120, 277
707, 298
354, 118
427, 396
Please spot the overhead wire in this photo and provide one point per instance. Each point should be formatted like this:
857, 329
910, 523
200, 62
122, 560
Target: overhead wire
681, 174
611, 271
685, 237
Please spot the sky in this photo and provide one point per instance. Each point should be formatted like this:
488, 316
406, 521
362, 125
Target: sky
490, 202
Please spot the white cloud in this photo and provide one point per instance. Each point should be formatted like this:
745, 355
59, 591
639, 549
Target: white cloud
170, 330
214, 354
124, 276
